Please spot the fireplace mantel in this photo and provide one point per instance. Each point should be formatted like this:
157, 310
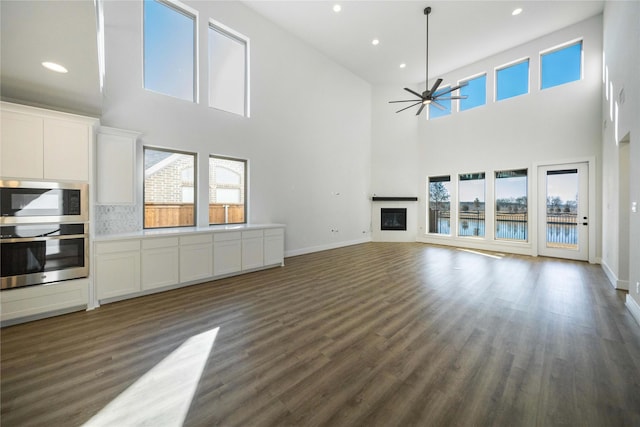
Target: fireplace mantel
394, 199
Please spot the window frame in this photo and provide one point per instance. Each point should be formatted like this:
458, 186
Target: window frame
244, 188
495, 202
239, 37
434, 179
179, 178
509, 65
468, 79
558, 48
472, 177
189, 12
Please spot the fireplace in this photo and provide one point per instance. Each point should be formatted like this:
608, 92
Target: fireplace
393, 219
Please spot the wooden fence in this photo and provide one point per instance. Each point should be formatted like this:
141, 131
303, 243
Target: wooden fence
181, 214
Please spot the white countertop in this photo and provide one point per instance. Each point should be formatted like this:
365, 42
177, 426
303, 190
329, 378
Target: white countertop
180, 231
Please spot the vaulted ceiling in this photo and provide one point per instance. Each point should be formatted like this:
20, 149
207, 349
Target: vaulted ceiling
460, 32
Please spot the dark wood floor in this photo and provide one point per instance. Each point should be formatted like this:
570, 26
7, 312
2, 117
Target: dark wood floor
379, 334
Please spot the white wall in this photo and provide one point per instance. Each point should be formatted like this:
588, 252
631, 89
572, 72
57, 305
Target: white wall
308, 140
621, 42
555, 125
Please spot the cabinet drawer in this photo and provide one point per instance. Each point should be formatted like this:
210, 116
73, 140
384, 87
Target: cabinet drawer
279, 232
224, 237
252, 234
195, 239
116, 247
166, 242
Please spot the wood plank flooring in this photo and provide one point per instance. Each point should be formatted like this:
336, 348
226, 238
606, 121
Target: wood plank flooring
378, 334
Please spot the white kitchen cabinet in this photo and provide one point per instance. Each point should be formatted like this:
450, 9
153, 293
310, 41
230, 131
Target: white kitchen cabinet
21, 148
39, 301
160, 262
252, 249
273, 246
227, 248
196, 257
44, 144
117, 268
116, 166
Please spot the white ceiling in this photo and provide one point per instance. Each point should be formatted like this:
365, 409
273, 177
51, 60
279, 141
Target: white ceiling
460, 32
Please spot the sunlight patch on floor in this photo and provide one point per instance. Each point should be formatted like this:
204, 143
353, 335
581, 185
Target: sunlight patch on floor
496, 256
162, 396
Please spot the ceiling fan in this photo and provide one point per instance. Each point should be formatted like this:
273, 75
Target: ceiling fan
429, 96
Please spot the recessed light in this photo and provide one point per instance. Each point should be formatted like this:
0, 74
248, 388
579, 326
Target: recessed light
517, 11
54, 67
375, 42
337, 8
403, 65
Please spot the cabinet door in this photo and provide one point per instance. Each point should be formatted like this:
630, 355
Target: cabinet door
228, 253
21, 153
160, 262
66, 150
115, 169
117, 269
273, 246
252, 249
196, 257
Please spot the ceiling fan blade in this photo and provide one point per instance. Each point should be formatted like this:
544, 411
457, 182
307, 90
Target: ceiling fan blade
451, 89
420, 109
449, 98
415, 93
413, 105
439, 106
406, 100
435, 86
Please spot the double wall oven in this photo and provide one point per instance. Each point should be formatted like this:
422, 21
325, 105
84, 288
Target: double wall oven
44, 232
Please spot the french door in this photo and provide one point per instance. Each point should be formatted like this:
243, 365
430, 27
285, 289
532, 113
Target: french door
563, 208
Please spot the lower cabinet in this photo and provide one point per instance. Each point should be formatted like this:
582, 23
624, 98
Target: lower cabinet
117, 268
196, 257
273, 246
227, 248
160, 266
252, 249
37, 301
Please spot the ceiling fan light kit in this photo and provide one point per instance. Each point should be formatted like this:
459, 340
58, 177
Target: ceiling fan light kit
429, 96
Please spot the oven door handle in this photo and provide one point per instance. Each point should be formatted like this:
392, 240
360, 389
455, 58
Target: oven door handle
44, 239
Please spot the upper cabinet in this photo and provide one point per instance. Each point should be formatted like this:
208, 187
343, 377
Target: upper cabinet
116, 166
44, 144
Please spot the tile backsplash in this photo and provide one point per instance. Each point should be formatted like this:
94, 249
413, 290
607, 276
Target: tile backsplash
114, 219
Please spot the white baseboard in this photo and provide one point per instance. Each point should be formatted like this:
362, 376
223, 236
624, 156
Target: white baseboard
634, 308
319, 248
613, 278
622, 285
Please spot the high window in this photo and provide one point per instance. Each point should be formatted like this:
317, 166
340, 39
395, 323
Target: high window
170, 49
475, 91
512, 80
561, 65
228, 69
435, 112
440, 204
471, 206
511, 205
169, 188
227, 190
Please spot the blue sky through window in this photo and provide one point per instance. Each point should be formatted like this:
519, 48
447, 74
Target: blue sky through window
435, 112
512, 80
561, 66
476, 92
169, 40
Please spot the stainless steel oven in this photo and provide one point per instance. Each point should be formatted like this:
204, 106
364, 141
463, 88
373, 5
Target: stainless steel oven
33, 254
28, 202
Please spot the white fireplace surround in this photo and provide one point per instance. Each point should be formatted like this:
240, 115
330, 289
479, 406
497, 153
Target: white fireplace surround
409, 235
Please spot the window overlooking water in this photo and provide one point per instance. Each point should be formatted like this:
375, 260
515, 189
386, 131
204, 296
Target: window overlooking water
561, 65
169, 188
511, 205
471, 208
512, 80
170, 49
475, 91
440, 204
